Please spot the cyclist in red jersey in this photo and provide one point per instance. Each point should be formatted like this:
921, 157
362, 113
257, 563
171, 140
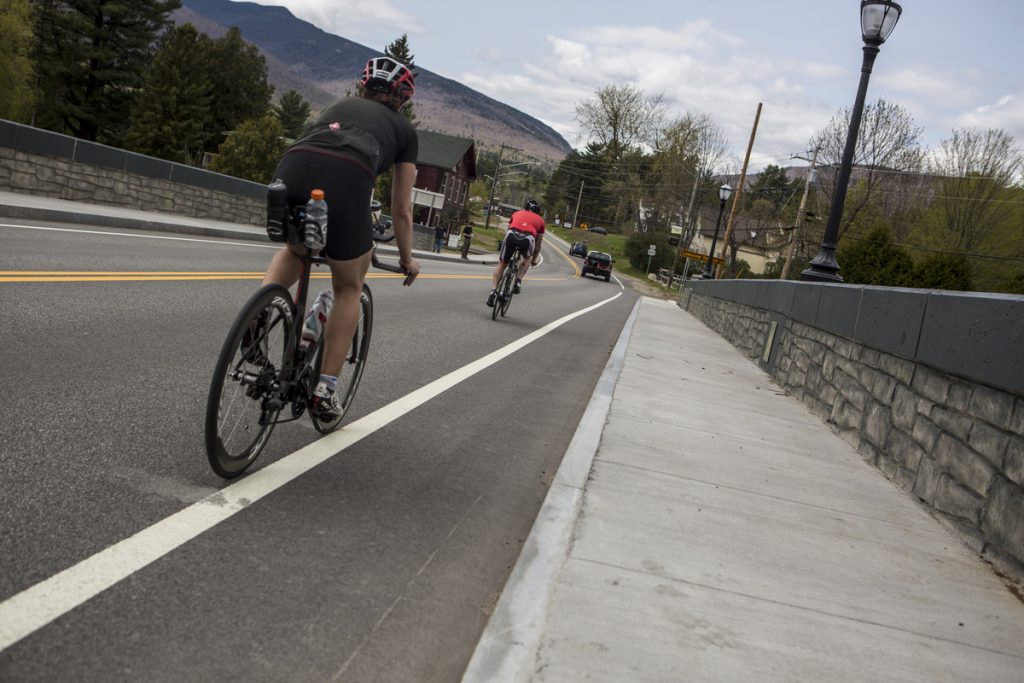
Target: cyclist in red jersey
525, 232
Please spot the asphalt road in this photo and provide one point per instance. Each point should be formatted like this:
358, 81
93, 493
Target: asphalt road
382, 563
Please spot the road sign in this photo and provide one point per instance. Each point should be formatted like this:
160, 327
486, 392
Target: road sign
697, 256
651, 251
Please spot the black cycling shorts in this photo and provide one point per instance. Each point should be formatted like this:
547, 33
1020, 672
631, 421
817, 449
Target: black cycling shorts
347, 186
515, 239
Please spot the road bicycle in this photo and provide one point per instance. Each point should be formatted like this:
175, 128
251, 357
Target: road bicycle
506, 285
265, 375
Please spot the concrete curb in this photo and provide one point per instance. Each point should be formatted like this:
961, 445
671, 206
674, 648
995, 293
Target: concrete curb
126, 222
507, 649
162, 224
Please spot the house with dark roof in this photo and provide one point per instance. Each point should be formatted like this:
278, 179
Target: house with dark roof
446, 165
757, 244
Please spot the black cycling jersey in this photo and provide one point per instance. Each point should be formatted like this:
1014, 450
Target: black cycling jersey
363, 130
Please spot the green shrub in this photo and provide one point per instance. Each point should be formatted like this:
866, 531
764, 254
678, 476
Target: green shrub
944, 271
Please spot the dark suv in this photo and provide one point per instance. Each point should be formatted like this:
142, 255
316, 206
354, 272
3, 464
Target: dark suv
578, 249
598, 263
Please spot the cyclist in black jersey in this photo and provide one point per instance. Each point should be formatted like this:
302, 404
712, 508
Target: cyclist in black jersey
342, 152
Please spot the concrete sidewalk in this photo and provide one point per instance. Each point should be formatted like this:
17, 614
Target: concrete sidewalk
706, 527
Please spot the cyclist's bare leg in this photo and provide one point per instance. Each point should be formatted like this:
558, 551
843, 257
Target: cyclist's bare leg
524, 266
497, 274
347, 279
285, 267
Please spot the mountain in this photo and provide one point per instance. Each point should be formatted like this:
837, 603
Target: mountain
322, 66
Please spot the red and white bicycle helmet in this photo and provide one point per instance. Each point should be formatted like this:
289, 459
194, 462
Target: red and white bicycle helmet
384, 74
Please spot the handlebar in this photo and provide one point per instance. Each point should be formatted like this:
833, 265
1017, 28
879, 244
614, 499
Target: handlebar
377, 263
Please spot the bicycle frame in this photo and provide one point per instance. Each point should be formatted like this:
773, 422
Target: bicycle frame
513, 263
296, 354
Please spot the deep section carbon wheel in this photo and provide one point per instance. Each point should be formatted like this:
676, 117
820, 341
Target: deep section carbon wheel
243, 403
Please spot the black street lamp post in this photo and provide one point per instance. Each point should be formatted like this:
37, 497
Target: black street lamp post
724, 192
877, 20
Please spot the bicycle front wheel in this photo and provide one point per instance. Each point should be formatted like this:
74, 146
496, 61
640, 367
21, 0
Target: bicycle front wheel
243, 405
352, 370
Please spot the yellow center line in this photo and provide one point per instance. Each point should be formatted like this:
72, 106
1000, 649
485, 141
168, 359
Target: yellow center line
164, 276
572, 262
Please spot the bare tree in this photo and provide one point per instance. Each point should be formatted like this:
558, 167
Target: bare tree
976, 170
889, 143
710, 156
620, 117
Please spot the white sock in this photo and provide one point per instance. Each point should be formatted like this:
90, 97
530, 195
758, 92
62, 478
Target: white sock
330, 380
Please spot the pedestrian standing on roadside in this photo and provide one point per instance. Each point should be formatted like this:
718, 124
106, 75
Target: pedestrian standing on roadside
438, 239
467, 237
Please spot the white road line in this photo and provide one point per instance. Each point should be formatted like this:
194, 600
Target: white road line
223, 241
508, 645
50, 599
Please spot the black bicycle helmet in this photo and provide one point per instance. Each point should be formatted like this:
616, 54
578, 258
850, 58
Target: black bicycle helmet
384, 74
533, 205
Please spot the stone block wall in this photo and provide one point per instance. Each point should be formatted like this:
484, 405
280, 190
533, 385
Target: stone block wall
39, 162
955, 443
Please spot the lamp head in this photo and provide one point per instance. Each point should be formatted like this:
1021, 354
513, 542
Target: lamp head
877, 20
724, 192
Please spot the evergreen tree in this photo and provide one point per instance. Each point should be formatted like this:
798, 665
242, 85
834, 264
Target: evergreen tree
174, 106
944, 271
875, 260
772, 185
252, 150
293, 111
16, 92
238, 77
90, 56
399, 49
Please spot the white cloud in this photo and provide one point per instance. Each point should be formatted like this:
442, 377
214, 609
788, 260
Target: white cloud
933, 87
569, 53
693, 36
489, 54
369, 23
820, 70
1007, 113
694, 67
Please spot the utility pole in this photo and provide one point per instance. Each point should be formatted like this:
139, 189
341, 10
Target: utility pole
576, 213
494, 184
739, 191
684, 238
799, 218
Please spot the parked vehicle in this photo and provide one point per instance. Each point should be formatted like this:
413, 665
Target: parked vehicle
598, 230
598, 263
578, 249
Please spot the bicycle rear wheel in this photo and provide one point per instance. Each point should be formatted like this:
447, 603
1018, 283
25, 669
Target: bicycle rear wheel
508, 283
240, 410
496, 308
352, 370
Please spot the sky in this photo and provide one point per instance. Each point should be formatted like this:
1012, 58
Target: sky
950, 63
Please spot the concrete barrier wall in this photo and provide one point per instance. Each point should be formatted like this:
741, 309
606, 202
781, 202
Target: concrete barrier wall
927, 385
39, 162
